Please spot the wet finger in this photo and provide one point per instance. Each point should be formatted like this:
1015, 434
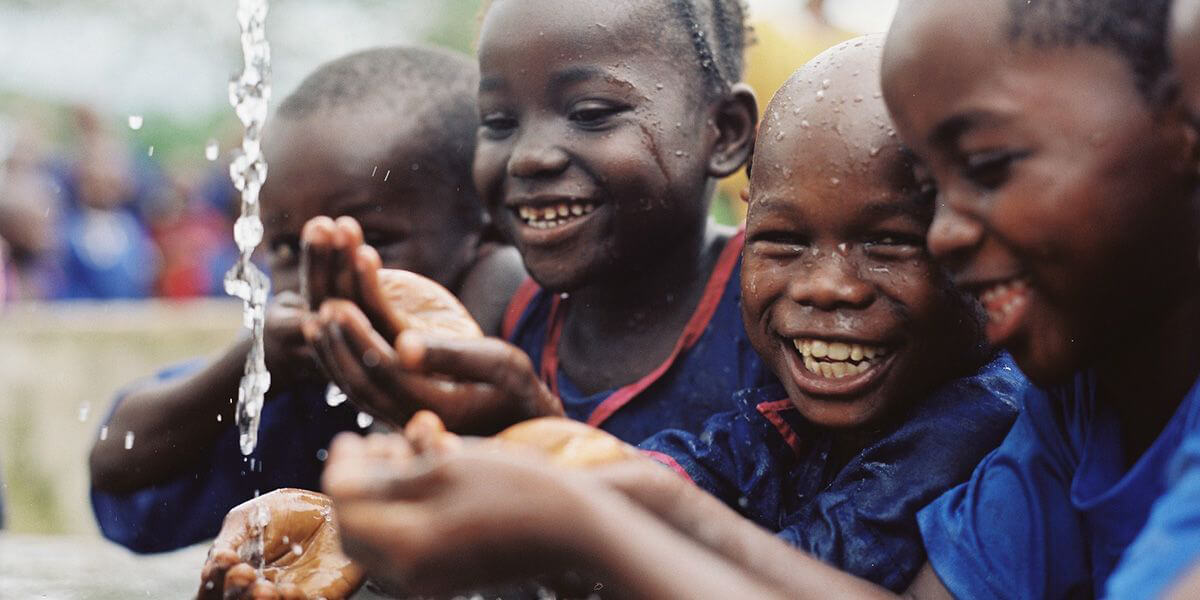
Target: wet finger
369, 294
316, 252
264, 590
238, 581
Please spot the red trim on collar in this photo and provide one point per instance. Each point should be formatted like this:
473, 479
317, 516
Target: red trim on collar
770, 411
517, 305
669, 462
713, 291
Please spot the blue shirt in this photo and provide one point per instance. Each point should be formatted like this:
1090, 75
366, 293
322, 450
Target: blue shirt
765, 461
713, 359
1052, 512
296, 426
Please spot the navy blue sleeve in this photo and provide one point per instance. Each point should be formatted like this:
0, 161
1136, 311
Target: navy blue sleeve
191, 506
864, 522
729, 460
1169, 545
1011, 530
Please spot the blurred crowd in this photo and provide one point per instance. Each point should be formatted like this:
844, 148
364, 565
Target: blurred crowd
103, 221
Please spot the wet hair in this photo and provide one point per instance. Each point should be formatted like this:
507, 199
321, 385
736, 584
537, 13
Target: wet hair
719, 35
1134, 29
435, 89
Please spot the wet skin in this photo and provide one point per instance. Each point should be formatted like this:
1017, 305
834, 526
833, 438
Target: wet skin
581, 108
836, 255
335, 163
1065, 202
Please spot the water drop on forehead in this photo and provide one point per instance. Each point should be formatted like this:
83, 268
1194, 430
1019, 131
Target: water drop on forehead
826, 83
820, 95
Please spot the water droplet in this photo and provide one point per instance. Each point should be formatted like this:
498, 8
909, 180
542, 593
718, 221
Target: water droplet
371, 357
297, 549
212, 150
334, 395
364, 420
875, 151
415, 167
128, 440
679, 153
104, 432
858, 98
375, 170
820, 95
825, 84
658, 86
150, 151
248, 231
805, 124
835, 180
386, 175
135, 122
779, 136
218, 417
322, 454
84, 409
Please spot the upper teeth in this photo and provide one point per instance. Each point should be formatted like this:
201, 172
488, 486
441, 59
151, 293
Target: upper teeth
545, 217
1000, 300
836, 359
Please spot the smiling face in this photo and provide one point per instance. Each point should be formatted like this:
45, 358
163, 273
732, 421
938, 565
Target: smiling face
1062, 194
593, 153
336, 163
839, 294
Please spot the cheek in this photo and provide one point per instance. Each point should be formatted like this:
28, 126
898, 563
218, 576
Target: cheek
487, 173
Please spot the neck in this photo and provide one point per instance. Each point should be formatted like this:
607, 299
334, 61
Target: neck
1147, 378
670, 285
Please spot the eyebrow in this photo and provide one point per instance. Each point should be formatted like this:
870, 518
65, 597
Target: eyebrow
950, 130
880, 211
558, 80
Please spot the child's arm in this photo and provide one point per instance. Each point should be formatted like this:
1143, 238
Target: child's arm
175, 422
477, 516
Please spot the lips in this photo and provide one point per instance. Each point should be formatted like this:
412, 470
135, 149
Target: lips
836, 367
1006, 303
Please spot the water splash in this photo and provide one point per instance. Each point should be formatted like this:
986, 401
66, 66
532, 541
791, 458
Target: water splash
249, 94
212, 150
334, 395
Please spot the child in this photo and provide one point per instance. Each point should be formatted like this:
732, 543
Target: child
597, 155
171, 479
843, 303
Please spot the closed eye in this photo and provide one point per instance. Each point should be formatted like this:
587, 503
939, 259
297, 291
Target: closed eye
894, 245
990, 170
497, 125
593, 114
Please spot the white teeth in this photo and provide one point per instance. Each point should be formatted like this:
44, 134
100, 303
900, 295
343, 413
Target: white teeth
576, 210
837, 359
563, 211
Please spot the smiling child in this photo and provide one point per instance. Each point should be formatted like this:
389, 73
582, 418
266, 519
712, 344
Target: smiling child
604, 126
409, 188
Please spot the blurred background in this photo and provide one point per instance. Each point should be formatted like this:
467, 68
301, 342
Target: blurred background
116, 209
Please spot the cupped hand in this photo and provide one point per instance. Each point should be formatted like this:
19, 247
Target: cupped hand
300, 552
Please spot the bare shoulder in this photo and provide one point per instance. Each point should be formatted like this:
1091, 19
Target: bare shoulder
490, 283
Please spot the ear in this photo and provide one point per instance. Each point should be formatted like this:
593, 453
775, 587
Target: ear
735, 122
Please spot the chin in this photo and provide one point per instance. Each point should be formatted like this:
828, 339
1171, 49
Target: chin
836, 415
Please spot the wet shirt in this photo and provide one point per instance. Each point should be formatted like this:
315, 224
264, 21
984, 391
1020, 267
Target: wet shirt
712, 359
295, 430
1054, 513
767, 462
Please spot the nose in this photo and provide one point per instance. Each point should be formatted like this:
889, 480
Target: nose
954, 234
831, 283
536, 154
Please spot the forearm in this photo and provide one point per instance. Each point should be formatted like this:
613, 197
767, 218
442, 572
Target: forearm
172, 423
697, 515
642, 557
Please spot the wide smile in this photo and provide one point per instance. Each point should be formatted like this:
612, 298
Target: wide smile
829, 367
1006, 303
543, 221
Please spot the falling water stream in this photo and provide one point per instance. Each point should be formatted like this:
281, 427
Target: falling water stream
249, 93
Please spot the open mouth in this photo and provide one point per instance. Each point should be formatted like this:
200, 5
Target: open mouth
551, 216
1005, 303
827, 367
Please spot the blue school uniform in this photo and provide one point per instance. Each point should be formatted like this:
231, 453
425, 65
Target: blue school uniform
772, 466
1053, 512
711, 360
296, 428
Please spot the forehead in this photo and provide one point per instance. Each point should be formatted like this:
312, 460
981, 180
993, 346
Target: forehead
334, 161
827, 133
534, 35
949, 67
